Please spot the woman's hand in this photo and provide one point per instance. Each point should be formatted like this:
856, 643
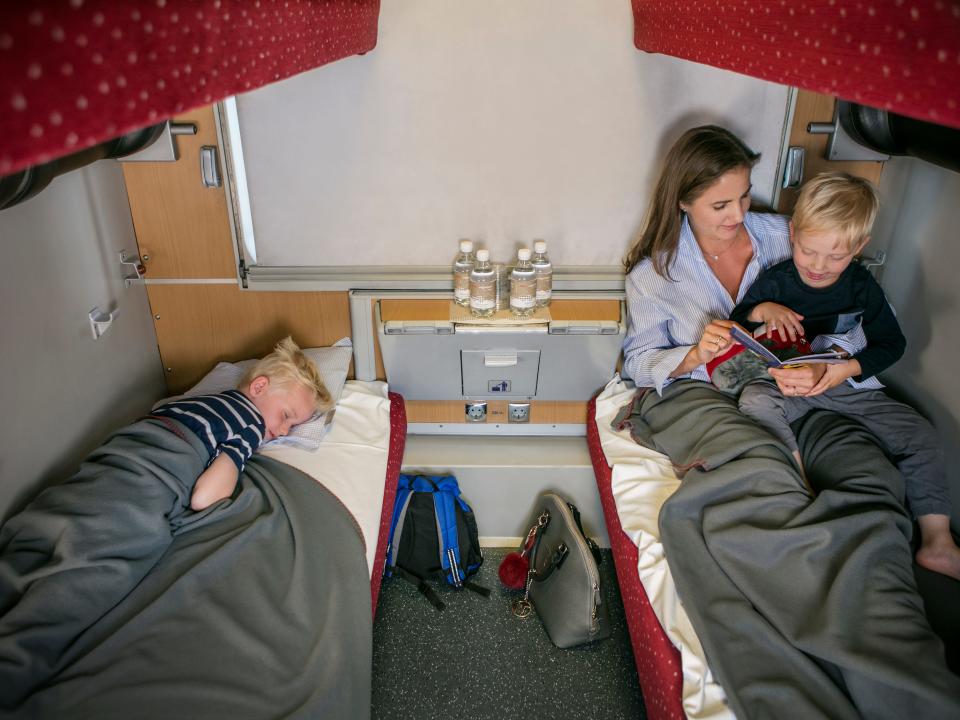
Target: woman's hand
714, 341
798, 381
779, 319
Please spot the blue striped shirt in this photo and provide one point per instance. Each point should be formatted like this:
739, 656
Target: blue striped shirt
227, 422
667, 317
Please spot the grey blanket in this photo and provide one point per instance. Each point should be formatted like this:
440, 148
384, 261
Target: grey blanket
806, 607
116, 601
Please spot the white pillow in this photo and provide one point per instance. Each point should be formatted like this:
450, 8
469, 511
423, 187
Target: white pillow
333, 363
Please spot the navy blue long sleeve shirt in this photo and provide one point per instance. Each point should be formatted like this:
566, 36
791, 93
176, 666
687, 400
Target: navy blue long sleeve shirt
854, 298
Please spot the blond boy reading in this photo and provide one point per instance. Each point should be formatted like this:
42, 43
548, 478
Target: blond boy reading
822, 295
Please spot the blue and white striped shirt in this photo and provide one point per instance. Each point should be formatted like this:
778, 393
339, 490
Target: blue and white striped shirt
667, 317
227, 422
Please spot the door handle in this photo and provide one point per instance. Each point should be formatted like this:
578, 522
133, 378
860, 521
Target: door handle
209, 168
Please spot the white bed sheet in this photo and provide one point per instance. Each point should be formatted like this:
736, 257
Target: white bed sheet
642, 480
351, 461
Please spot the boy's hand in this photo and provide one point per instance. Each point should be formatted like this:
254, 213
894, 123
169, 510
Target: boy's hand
215, 483
836, 374
778, 318
799, 380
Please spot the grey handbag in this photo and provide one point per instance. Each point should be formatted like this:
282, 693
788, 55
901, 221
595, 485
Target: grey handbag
563, 582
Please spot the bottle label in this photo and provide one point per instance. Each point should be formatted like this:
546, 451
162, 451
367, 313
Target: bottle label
522, 303
482, 303
543, 294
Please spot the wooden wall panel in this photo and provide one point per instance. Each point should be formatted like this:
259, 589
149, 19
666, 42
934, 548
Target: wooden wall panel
182, 227
199, 325
814, 107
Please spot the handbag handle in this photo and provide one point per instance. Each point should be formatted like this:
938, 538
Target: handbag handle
559, 555
594, 548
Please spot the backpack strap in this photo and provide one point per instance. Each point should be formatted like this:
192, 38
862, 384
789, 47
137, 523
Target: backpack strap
422, 586
404, 492
446, 494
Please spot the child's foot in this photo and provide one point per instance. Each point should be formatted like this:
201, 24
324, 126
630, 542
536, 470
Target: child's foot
943, 559
938, 552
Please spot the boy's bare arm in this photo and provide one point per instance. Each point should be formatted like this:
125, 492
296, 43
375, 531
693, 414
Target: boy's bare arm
215, 483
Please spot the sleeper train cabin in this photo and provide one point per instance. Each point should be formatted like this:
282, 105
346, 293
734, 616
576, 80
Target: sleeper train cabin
185, 183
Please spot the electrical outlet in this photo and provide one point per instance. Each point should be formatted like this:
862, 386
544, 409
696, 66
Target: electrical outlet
519, 412
476, 412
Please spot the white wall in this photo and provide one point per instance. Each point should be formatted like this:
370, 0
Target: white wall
918, 228
496, 120
62, 392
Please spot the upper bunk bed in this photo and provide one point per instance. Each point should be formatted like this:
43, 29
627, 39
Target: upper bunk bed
78, 73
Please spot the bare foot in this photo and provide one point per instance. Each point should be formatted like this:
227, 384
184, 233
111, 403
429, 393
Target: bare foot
941, 559
938, 552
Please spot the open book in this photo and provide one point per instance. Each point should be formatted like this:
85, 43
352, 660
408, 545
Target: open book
788, 355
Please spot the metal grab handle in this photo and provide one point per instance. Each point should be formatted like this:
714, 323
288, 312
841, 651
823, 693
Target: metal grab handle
793, 168
183, 128
209, 168
821, 128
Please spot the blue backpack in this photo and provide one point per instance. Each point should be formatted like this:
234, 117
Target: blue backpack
433, 535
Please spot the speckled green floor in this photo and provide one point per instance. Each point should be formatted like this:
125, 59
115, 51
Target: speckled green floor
475, 660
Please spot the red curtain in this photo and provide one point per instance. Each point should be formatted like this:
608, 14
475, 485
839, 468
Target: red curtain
74, 73
897, 55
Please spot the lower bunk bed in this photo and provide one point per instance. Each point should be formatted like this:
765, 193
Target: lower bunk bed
259, 606
673, 673
806, 607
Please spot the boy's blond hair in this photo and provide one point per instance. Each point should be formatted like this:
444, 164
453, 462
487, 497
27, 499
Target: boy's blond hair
837, 202
287, 364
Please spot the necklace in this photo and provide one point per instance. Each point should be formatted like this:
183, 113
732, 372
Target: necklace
716, 256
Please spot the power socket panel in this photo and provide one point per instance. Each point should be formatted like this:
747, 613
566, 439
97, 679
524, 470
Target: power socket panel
518, 412
476, 412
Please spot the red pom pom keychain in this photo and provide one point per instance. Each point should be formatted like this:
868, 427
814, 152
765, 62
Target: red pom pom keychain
513, 570
515, 565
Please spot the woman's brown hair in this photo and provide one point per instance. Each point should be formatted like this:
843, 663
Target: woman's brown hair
695, 162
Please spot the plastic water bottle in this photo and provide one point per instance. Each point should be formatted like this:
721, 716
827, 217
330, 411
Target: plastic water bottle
483, 286
462, 267
544, 271
523, 285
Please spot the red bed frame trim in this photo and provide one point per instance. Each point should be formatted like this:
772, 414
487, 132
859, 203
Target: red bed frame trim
398, 440
658, 661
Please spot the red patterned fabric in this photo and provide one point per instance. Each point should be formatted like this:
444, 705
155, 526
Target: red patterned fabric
658, 661
897, 55
74, 73
398, 440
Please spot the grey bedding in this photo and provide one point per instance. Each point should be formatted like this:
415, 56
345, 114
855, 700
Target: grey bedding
806, 608
116, 601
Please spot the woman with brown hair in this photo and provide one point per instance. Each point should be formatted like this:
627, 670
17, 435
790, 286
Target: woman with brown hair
698, 252
805, 605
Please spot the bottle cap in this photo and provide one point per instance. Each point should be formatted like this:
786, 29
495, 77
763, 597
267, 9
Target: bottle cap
483, 255
540, 246
523, 254
466, 246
